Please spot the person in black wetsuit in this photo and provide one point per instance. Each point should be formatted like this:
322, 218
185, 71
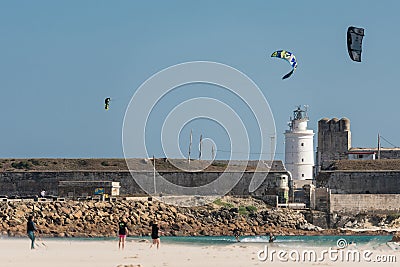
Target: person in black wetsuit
271, 238
122, 232
236, 234
31, 228
155, 234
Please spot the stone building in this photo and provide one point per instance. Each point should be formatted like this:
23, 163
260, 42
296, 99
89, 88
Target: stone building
334, 141
354, 180
275, 180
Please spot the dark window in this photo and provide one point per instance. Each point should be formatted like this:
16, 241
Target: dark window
302, 144
302, 175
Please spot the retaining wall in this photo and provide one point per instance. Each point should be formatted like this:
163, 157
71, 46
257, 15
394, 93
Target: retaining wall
364, 203
32, 183
360, 182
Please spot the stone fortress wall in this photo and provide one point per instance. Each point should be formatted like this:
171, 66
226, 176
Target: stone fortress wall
364, 203
360, 182
33, 182
354, 186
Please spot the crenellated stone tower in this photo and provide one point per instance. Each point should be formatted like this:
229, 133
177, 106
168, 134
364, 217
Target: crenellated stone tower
334, 141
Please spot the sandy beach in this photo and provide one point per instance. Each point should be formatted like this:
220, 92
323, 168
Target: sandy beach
15, 252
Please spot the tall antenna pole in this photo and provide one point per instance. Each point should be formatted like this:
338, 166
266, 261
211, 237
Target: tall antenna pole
379, 146
190, 145
272, 147
212, 152
154, 174
306, 111
201, 140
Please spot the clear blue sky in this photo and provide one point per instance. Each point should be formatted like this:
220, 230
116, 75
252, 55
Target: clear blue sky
60, 59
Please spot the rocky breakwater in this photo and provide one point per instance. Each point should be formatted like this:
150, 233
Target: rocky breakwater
389, 221
93, 219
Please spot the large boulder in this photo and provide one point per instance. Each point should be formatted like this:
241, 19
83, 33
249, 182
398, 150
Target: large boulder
396, 237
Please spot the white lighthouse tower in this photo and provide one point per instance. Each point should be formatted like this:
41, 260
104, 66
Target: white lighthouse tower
299, 148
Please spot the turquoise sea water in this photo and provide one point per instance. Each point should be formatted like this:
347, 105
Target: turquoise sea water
290, 241
282, 241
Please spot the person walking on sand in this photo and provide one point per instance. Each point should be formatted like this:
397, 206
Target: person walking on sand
122, 233
155, 235
31, 228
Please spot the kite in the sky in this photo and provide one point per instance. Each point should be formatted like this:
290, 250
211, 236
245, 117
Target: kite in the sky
354, 42
289, 57
107, 103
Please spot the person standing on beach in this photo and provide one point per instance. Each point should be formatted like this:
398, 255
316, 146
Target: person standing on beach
155, 235
122, 232
31, 228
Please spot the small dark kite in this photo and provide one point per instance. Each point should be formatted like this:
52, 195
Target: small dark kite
107, 103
